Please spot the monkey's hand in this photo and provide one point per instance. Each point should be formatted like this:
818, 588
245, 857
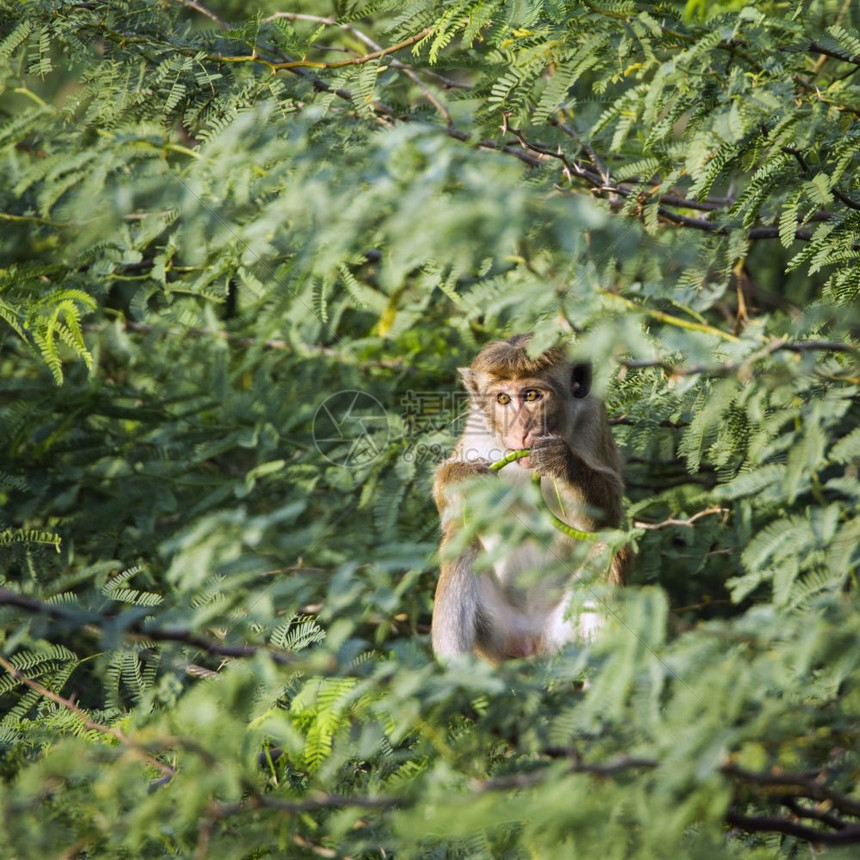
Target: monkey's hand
449, 475
550, 456
460, 470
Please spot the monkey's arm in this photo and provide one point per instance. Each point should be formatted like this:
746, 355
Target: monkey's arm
472, 615
454, 626
580, 484
450, 474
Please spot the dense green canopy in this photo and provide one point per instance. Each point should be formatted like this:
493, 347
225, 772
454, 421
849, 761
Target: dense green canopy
244, 248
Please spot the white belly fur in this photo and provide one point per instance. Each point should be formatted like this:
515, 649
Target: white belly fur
540, 613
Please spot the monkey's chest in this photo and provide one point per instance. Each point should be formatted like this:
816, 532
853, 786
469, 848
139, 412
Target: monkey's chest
527, 582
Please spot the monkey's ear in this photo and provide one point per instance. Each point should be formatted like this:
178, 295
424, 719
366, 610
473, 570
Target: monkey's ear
468, 379
580, 380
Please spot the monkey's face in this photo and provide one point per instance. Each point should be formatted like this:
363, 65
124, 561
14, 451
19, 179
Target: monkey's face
523, 398
520, 410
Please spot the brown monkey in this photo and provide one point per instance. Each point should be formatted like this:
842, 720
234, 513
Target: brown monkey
543, 404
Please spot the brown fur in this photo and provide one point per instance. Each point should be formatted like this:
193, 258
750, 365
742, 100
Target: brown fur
510, 359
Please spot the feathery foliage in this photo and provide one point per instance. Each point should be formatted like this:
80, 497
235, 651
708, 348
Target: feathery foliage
244, 248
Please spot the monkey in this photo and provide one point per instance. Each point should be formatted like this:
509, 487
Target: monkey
543, 404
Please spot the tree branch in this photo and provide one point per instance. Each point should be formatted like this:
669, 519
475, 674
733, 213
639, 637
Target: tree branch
811, 784
408, 70
314, 804
813, 812
847, 833
530, 778
598, 180
254, 57
850, 835
669, 319
818, 48
139, 630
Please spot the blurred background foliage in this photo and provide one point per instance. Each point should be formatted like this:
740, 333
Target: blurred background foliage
217, 215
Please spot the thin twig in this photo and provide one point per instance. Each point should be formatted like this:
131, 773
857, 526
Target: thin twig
807, 171
408, 70
669, 319
705, 604
208, 13
626, 421
165, 769
217, 811
639, 524
316, 64
846, 833
592, 155
530, 778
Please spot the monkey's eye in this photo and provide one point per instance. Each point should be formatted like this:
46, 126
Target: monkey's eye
503, 398
532, 394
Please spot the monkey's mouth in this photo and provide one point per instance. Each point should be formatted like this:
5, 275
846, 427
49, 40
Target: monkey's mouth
525, 463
